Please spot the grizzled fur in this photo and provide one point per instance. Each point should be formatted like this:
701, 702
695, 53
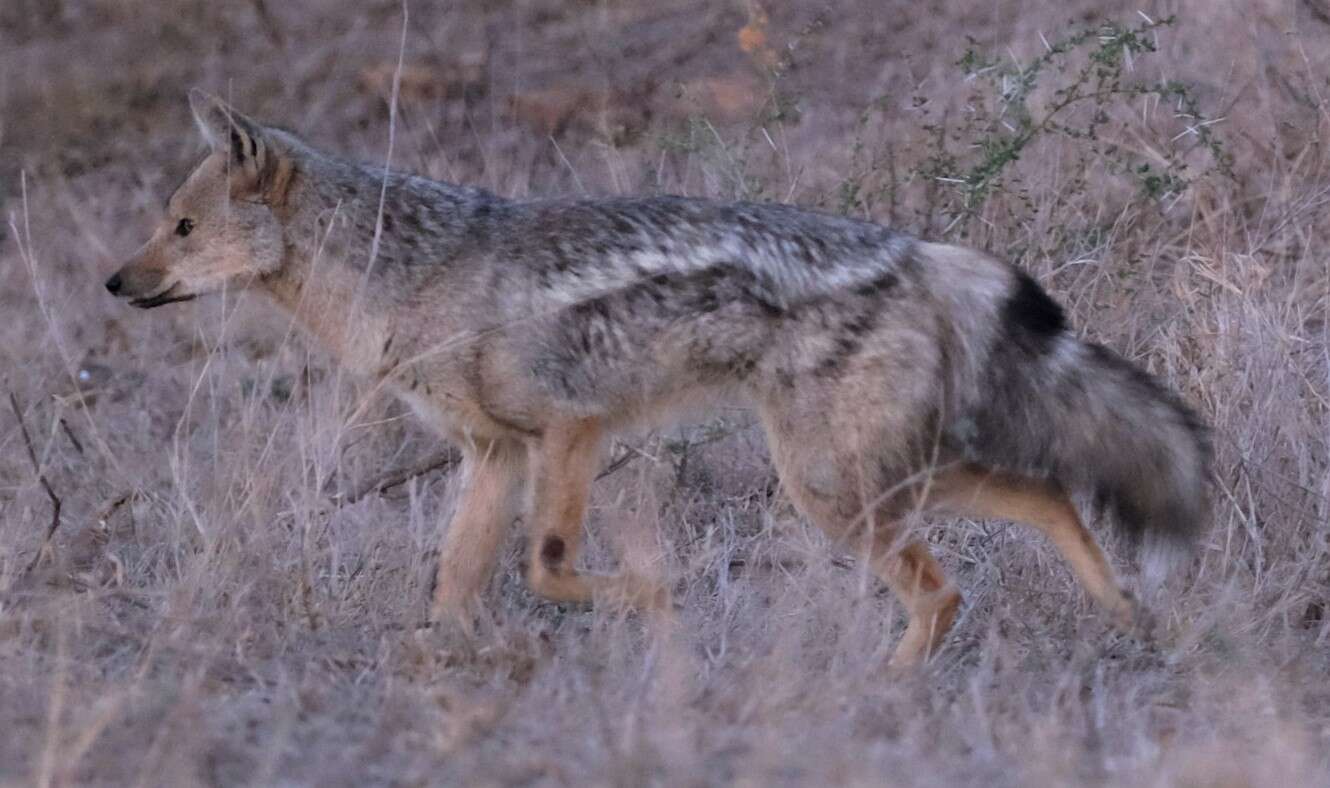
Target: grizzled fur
528, 331
1051, 405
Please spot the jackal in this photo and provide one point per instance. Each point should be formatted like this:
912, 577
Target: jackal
890, 374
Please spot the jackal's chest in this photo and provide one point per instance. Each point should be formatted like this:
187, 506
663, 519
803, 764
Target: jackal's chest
457, 413
460, 396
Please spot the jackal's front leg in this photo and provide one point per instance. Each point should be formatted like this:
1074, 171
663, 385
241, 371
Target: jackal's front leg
564, 465
492, 478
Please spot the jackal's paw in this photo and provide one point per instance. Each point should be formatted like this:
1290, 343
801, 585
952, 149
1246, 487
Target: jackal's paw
1133, 618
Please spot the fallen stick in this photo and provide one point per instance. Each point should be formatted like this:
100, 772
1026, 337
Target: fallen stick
41, 477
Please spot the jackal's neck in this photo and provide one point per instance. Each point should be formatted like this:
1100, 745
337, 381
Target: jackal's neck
356, 241
386, 223
332, 305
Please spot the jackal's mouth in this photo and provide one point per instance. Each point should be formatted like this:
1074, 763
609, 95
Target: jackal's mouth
169, 296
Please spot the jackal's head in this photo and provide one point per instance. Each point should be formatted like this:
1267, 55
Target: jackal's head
220, 229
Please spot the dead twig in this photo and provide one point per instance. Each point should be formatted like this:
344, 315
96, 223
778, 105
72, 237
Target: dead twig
396, 478
69, 433
1319, 10
41, 478
625, 457
631, 453
113, 505
268, 23
445, 461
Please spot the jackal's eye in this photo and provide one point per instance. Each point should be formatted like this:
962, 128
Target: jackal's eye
184, 227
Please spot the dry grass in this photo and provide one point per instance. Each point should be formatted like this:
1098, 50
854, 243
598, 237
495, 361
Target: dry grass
212, 610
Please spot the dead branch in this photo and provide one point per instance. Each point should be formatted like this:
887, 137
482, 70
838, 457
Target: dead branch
396, 478
625, 457
41, 478
69, 433
268, 23
445, 462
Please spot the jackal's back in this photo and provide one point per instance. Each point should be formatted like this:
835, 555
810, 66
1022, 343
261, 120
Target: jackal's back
631, 299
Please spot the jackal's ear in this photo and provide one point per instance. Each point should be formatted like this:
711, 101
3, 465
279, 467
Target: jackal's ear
256, 160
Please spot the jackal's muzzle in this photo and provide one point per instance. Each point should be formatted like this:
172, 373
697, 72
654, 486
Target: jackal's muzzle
139, 289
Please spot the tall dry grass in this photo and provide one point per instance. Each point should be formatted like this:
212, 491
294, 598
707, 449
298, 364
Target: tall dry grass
212, 608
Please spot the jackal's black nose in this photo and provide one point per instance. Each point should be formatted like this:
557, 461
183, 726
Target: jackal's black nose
113, 284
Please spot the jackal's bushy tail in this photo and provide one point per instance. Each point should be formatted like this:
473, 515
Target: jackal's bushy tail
1080, 414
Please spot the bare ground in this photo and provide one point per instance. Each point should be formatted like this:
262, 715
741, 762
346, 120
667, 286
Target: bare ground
213, 608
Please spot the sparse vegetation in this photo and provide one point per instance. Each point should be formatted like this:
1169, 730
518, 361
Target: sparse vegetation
215, 549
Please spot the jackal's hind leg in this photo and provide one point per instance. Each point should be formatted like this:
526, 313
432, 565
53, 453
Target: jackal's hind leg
973, 491
492, 478
844, 490
565, 464
904, 564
